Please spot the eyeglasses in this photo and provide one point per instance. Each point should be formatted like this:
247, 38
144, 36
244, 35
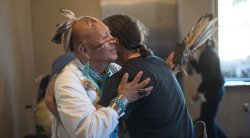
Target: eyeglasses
107, 44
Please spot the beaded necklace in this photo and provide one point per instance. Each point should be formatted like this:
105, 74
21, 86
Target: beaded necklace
97, 76
98, 80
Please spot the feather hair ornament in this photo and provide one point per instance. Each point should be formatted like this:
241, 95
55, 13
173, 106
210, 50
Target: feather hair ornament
204, 28
64, 29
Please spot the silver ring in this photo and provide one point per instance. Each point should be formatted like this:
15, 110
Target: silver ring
142, 92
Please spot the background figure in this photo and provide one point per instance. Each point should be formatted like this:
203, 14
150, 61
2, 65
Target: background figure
212, 86
43, 122
61, 62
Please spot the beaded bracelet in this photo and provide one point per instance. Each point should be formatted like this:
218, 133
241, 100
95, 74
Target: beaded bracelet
119, 104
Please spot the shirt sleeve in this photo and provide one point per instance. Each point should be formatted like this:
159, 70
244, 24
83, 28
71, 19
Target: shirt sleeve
79, 116
209, 65
195, 64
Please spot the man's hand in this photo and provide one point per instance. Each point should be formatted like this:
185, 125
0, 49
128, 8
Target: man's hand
50, 100
131, 89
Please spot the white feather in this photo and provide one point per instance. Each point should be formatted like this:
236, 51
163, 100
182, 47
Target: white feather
204, 37
68, 13
206, 33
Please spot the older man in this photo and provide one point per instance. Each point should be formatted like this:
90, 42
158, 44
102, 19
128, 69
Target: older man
79, 86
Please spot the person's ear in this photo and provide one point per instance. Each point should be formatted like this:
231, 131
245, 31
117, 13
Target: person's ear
83, 51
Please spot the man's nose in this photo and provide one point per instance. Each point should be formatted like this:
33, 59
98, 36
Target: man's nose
113, 41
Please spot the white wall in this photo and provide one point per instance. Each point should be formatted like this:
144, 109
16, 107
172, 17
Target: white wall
45, 16
17, 68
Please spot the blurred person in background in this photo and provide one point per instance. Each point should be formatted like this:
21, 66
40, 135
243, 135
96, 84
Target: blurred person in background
211, 86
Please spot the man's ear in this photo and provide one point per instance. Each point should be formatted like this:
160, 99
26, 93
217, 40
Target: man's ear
83, 51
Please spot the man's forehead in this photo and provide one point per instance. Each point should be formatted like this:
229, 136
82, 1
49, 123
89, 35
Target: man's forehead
99, 31
92, 30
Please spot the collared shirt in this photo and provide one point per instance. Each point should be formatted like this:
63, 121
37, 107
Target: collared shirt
75, 104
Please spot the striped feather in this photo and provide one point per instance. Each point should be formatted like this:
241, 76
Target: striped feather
68, 13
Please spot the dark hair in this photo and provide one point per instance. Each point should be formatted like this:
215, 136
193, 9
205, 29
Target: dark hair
42, 88
129, 31
144, 51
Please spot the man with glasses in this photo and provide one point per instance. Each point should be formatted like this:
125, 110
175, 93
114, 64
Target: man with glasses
79, 86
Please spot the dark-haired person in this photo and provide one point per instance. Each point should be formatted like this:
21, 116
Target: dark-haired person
163, 113
212, 86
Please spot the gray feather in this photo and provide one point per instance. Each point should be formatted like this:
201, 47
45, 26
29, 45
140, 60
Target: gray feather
68, 13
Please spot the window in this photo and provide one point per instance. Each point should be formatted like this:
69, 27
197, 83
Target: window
234, 39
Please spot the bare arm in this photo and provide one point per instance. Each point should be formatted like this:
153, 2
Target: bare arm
50, 100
